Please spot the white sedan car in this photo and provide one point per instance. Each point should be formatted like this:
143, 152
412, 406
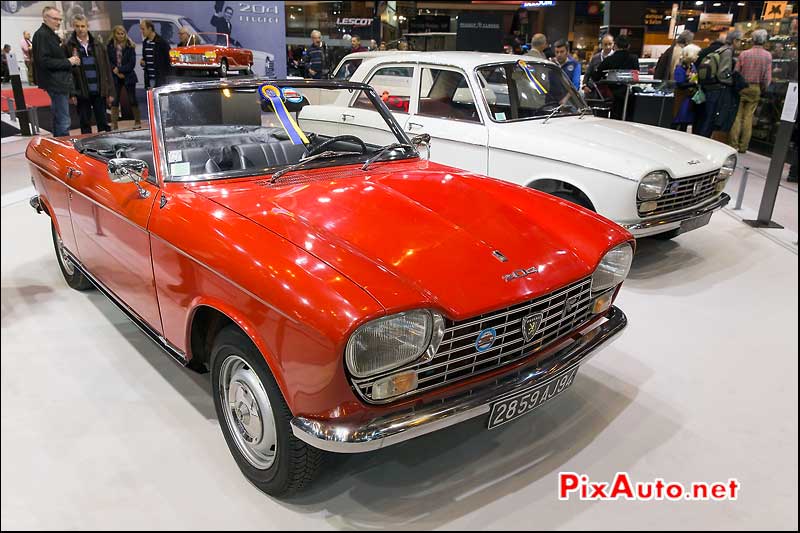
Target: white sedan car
520, 120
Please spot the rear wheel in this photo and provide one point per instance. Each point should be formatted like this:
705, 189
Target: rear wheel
255, 418
574, 198
72, 275
223, 68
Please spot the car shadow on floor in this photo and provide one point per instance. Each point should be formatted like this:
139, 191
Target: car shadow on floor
191, 385
435, 479
656, 257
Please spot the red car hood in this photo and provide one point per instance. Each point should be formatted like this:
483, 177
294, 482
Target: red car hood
417, 233
198, 49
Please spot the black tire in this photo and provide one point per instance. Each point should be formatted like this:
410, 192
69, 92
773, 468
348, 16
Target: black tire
667, 235
568, 196
72, 275
223, 68
295, 463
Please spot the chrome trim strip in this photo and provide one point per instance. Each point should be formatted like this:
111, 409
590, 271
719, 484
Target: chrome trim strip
647, 226
159, 339
415, 421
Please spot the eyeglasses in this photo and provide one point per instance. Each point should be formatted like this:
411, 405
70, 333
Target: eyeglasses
57, 19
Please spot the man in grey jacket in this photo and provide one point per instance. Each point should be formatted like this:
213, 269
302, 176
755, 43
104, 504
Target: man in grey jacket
538, 44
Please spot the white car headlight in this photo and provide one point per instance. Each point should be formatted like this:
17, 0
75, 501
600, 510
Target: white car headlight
653, 185
393, 341
727, 168
613, 268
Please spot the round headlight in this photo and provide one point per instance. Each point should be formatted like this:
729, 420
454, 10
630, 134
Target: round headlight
727, 168
613, 268
393, 341
653, 185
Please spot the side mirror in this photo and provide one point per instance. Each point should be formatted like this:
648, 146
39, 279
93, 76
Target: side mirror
423, 139
127, 170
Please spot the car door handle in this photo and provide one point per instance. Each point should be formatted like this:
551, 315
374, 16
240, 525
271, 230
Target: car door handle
345, 116
73, 172
414, 125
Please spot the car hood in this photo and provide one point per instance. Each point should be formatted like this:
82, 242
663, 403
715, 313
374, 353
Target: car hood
625, 149
199, 48
414, 233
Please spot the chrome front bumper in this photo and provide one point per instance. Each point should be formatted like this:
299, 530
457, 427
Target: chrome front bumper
670, 221
404, 425
196, 65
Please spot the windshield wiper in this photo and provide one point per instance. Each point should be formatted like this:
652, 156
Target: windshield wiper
387, 148
553, 112
328, 154
583, 112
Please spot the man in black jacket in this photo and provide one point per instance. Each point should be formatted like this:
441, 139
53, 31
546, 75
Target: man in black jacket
155, 56
54, 69
621, 59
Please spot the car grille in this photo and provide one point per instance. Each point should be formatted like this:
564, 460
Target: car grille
193, 58
681, 194
458, 358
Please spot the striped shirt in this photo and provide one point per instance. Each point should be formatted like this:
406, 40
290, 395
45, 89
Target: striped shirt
755, 66
149, 55
89, 67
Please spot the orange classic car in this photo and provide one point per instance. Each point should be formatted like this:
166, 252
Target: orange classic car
211, 52
345, 293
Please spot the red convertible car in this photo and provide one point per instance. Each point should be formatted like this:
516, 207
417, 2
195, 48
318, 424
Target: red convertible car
345, 293
211, 52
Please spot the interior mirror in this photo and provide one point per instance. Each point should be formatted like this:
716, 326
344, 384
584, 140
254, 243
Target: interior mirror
127, 170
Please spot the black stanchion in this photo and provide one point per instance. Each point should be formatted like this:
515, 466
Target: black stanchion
20, 106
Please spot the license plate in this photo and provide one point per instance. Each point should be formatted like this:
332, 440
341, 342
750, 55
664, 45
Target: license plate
696, 222
527, 400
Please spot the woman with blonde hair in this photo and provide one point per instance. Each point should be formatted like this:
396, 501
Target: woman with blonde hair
685, 76
122, 58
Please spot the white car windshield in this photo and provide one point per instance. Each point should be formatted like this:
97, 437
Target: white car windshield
527, 90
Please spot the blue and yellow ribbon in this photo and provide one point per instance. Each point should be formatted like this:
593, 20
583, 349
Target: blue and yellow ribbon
537, 85
273, 94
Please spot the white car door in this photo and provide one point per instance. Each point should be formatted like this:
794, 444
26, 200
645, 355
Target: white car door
393, 83
445, 108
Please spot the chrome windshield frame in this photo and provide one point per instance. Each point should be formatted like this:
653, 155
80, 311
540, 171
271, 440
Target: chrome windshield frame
159, 133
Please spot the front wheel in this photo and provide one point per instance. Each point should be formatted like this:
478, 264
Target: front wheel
223, 68
255, 418
72, 275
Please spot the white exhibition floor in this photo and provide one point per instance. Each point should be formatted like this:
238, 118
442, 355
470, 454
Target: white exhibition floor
100, 429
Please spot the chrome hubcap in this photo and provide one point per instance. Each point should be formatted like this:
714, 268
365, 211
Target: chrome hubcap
248, 412
62, 257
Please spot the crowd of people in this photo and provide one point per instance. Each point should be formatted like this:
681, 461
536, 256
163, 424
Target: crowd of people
83, 71
715, 93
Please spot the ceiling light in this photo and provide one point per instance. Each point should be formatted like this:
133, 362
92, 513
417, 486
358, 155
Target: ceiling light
668, 17
717, 4
741, 4
699, 3
690, 19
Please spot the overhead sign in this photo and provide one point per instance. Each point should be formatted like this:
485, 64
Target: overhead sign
480, 32
715, 21
541, 3
774, 10
349, 21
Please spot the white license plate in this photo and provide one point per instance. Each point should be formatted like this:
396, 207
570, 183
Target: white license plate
696, 222
527, 400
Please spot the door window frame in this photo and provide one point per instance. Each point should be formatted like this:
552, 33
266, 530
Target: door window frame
470, 86
413, 65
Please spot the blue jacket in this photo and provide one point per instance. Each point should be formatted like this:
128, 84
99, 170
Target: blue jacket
573, 71
128, 66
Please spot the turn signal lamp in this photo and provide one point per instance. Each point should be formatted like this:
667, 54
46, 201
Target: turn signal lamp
394, 385
174, 53
648, 206
602, 302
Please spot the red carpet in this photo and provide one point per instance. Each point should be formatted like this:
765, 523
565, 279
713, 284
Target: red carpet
34, 97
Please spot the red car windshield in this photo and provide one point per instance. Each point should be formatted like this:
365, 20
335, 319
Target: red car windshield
219, 39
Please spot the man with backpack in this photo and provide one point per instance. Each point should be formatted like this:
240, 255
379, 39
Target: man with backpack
716, 79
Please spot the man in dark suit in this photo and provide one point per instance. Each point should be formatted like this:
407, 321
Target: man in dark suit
621, 59
222, 21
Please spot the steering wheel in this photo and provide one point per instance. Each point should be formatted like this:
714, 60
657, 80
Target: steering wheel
324, 144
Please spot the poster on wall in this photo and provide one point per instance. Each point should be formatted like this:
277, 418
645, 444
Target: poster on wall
257, 26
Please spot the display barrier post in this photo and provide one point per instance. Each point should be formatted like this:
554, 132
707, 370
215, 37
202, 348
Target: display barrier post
775, 172
19, 95
742, 187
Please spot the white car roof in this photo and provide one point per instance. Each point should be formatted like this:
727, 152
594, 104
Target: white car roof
467, 60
